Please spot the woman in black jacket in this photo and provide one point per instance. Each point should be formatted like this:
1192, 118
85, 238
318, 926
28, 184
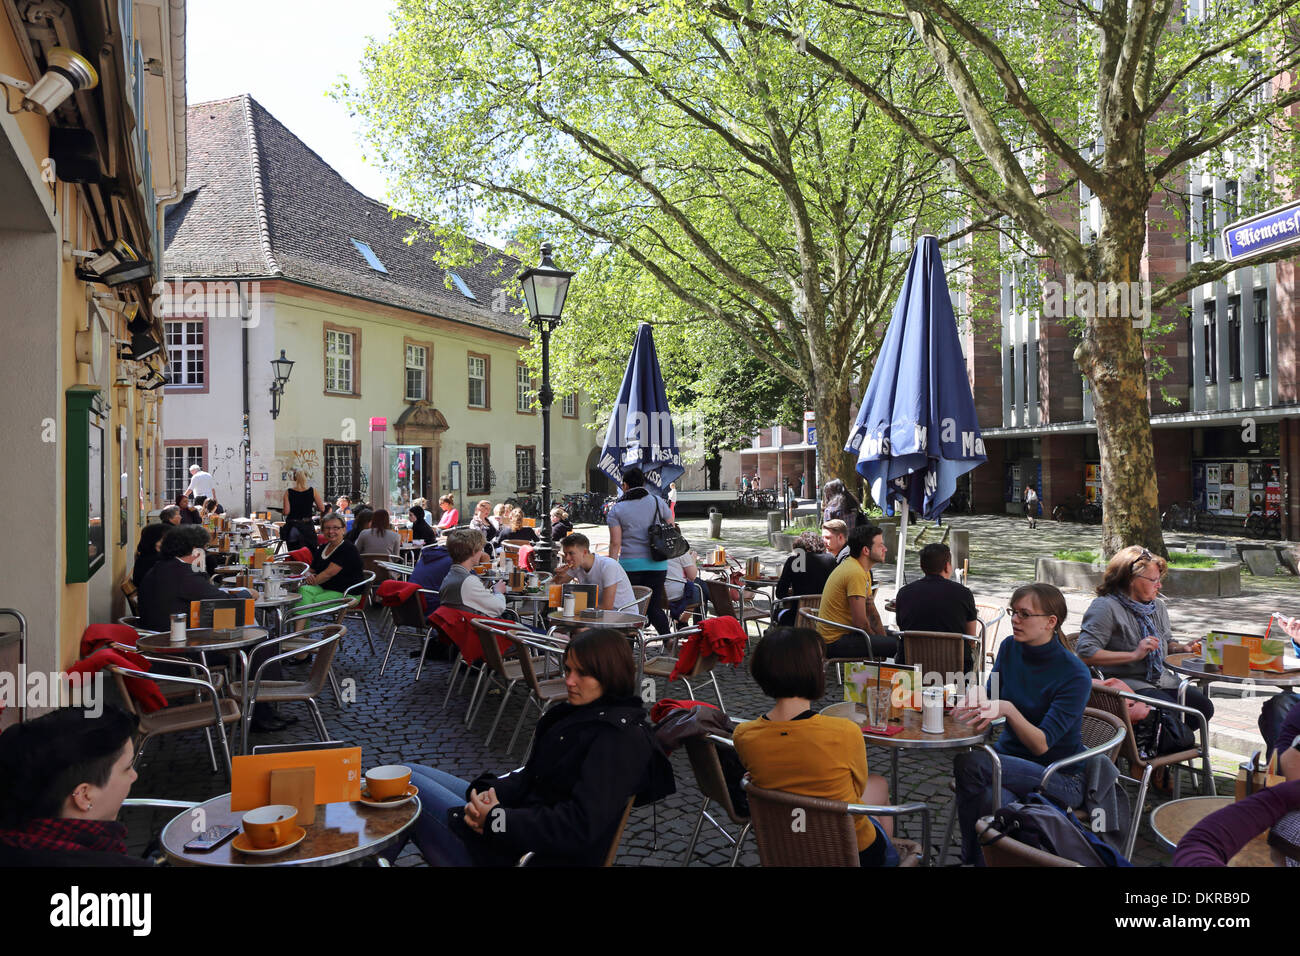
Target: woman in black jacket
146, 552
589, 756
420, 528
63, 778
804, 572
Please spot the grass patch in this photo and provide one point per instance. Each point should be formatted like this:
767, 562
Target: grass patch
1177, 559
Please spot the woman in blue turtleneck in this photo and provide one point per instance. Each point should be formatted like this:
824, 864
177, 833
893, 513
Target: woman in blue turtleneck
1041, 688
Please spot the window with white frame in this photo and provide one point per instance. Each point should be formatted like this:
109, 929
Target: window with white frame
186, 353
525, 471
417, 368
523, 389
176, 468
569, 405
477, 381
342, 469
477, 469
338, 361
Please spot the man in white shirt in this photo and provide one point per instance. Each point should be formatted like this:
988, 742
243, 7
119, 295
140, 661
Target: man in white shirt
200, 485
583, 567
461, 588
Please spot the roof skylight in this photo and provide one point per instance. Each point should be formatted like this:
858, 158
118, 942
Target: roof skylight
460, 284
369, 255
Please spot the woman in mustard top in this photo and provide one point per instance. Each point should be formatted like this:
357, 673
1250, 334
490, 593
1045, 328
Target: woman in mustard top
794, 749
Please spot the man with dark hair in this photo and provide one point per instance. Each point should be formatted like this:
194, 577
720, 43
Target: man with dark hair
936, 602
847, 599
177, 579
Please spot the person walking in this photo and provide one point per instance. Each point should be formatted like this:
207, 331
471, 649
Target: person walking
1031, 505
200, 485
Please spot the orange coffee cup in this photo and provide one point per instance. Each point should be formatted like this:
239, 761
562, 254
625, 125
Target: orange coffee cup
390, 780
270, 825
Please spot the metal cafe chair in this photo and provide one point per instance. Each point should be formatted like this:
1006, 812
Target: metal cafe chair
323, 642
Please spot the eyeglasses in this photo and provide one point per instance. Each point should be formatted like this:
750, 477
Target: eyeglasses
1144, 556
1016, 615
1156, 580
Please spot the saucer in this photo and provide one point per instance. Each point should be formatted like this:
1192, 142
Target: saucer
397, 801
244, 845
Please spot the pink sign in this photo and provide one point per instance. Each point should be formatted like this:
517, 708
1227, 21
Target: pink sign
379, 424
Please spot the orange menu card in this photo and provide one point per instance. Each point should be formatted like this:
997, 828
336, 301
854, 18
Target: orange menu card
338, 776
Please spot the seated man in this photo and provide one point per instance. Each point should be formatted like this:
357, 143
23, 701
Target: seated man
177, 579
681, 588
847, 598
936, 602
836, 535
581, 566
461, 588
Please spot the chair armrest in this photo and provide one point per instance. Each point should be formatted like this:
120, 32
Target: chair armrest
671, 635
904, 809
153, 802
997, 776
179, 662
1088, 754
844, 627
1162, 704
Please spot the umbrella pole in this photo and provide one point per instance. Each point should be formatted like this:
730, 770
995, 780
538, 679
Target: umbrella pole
902, 549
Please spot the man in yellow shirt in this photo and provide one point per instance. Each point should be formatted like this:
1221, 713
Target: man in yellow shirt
847, 599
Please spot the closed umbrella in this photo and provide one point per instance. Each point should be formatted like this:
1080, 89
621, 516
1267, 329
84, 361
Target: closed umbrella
640, 432
916, 432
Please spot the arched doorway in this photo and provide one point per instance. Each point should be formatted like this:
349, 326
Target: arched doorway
413, 463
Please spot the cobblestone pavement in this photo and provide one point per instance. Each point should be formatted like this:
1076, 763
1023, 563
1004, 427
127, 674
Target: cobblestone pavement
395, 719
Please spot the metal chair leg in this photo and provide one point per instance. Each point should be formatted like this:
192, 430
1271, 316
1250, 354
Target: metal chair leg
424, 649
391, 639
366, 621
695, 834
316, 716
334, 683
475, 701
225, 752
212, 754
139, 750
451, 678
740, 844
947, 830
505, 699
717, 690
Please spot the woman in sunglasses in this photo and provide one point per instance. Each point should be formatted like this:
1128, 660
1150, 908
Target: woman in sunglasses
1041, 689
1126, 633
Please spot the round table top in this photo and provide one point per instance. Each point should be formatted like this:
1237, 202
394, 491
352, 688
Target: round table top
541, 595
1193, 665
1171, 822
282, 601
203, 639
955, 733
763, 581
342, 832
606, 619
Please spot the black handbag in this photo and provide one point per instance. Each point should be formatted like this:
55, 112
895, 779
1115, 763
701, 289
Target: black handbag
665, 540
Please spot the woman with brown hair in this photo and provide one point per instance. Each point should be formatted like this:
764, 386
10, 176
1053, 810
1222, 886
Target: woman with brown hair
1126, 631
589, 755
1041, 689
379, 537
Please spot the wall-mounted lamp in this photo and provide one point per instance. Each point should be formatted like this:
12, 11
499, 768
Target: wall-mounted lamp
66, 72
281, 367
114, 265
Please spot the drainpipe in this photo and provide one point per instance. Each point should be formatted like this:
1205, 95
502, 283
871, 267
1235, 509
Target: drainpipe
248, 448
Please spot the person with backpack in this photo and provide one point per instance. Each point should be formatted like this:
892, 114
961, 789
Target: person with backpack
629, 541
1041, 689
1126, 632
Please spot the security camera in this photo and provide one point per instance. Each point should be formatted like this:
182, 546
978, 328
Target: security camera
67, 72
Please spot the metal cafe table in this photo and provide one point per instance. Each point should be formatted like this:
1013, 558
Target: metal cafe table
342, 833
1171, 821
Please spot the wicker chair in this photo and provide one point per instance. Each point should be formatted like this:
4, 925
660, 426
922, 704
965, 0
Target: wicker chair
937, 652
212, 713
1002, 850
641, 593
1115, 704
506, 674
709, 777
1102, 735
828, 837
412, 613
542, 692
800, 602
732, 600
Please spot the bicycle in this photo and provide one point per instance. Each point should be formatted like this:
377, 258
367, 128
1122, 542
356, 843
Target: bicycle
1069, 509
1261, 525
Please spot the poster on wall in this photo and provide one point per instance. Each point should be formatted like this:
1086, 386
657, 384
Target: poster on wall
1227, 497
1212, 500
1239, 476
1211, 475
1273, 498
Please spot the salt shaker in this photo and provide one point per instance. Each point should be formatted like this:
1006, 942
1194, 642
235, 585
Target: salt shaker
932, 710
178, 628
569, 605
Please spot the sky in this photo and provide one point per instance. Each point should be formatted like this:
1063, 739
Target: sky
287, 54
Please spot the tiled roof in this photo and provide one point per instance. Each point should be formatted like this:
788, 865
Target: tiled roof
259, 203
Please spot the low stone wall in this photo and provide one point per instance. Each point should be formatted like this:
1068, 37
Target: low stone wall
1222, 580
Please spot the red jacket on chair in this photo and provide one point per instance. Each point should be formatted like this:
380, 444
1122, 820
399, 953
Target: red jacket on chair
721, 636
101, 635
143, 691
457, 627
392, 593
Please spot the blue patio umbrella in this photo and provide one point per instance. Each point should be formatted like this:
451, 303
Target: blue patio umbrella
640, 431
917, 432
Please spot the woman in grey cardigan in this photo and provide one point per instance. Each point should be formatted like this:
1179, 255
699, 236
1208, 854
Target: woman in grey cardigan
1126, 632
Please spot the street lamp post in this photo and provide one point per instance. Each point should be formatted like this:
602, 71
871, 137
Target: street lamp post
545, 289
281, 368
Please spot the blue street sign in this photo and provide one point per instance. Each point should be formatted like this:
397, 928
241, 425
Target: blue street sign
1263, 233
812, 434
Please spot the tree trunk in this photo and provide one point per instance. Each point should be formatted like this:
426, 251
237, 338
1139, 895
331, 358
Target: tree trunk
1112, 357
832, 405
712, 470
